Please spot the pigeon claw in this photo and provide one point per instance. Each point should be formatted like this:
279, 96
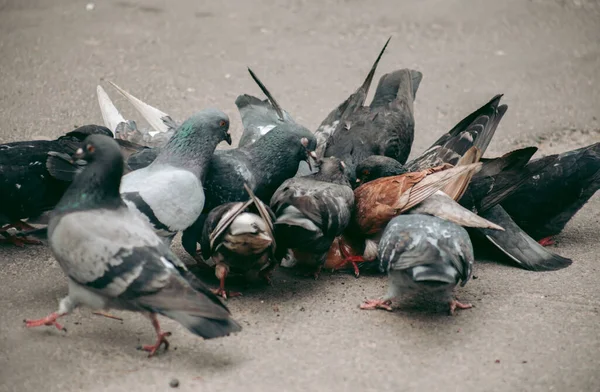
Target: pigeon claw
221, 292
384, 304
46, 321
547, 241
161, 339
455, 304
18, 241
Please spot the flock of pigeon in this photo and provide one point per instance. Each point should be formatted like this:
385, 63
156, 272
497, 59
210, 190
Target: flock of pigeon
112, 198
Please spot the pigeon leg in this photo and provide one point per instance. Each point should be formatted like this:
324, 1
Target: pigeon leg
385, 304
161, 337
455, 304
547, 241
18, 241
350, 259
48, 320
221, 271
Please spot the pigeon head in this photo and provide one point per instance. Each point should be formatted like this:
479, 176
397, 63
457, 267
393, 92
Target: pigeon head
99, 148
97, 185
308, 141
332, 169
194, 142
377, 166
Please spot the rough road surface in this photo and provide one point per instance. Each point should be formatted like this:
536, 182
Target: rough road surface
528, 332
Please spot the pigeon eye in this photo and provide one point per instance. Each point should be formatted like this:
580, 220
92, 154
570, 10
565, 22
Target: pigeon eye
222, 123
365, 172
90, 148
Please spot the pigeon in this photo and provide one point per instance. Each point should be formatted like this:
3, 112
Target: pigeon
386, 127
113, 258
169, 191
163, 125
263, 166
424, 256
312, 211
552, 196
28, 184
379, 201
239, 236
497, 181
260, 117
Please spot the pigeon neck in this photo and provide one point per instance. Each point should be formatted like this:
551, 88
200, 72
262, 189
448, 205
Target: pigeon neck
97, 186
276, 155
189, 149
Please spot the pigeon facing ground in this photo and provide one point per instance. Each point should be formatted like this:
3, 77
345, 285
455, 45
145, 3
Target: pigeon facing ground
424, 255
113, 258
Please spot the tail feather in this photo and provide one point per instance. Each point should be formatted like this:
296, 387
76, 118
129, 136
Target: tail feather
268, 94
158, 120
111, 116
398, 85
202, 326
519, 246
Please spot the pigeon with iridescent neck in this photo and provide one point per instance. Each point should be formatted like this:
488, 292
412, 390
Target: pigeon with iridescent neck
169, 192
113, 258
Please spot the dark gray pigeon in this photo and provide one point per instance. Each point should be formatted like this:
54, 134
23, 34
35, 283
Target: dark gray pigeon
34, 175
263, 166
312, 210
424, 256
550, 197
260, 117
385, 127
113, 258
239, 237
169, 191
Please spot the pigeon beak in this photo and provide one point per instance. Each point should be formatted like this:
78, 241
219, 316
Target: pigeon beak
78, 154
228, 138
311, 156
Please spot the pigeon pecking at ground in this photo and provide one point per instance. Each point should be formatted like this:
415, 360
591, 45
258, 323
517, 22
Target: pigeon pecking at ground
312, 211
238, 236
114, 259
424, 256
169, 192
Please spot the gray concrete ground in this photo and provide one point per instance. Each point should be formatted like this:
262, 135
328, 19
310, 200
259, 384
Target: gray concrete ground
528, 332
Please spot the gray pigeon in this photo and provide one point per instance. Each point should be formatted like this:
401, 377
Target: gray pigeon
169, 191
424, 255
312, 211
113, 258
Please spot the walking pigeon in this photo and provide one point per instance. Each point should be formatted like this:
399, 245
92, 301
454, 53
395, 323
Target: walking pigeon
113, 258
